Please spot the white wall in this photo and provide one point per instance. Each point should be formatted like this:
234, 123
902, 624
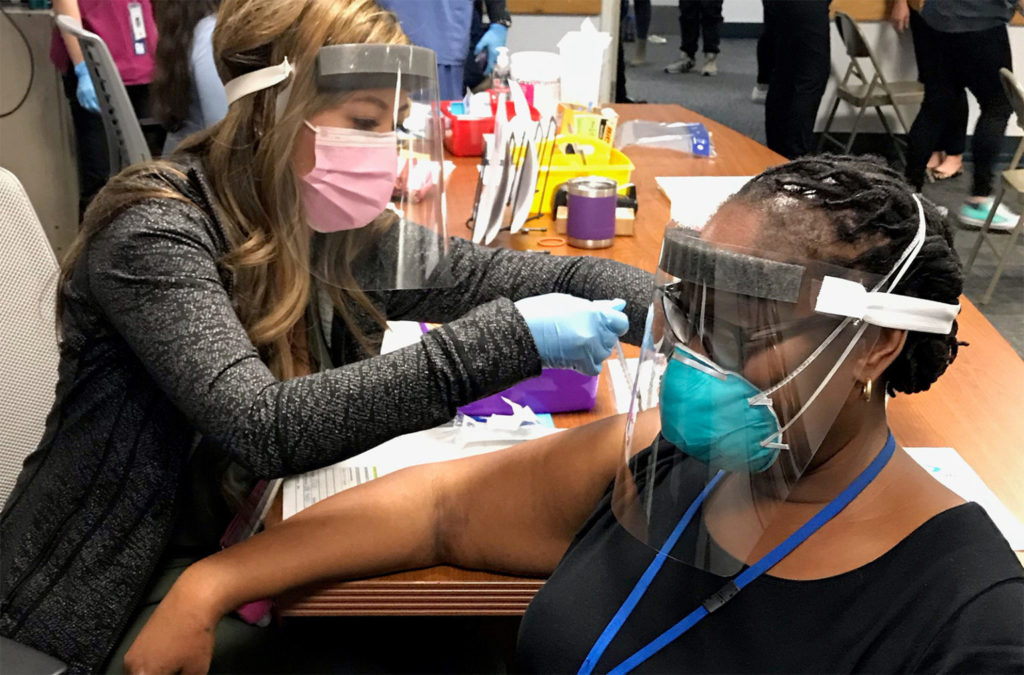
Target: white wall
541, 32
895, 55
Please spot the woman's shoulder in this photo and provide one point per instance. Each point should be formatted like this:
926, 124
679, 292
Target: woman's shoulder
963, 542
954, 584
161, 201
982, 627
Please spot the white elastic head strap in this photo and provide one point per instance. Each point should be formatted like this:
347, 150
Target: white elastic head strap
843, 297
257, 80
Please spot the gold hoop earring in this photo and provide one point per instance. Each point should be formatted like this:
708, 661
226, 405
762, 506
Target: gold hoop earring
865, 391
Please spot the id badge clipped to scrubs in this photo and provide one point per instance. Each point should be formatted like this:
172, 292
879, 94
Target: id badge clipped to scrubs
138, 27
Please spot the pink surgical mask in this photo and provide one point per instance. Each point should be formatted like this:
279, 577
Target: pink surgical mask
353, 178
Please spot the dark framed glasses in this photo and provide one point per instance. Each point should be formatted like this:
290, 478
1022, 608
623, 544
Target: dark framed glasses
690, 314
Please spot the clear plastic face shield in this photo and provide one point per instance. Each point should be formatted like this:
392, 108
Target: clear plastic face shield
372, 188
751, 358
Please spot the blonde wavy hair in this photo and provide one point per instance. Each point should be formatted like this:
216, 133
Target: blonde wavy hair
247, 159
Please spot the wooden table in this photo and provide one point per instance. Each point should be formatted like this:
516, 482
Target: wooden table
977, 407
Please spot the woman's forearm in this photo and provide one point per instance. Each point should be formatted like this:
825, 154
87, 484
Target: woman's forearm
382, 526
377, 527
483, 274
70, 8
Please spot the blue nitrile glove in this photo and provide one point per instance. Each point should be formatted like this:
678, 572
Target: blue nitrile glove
571, 332
86, 92
492, 39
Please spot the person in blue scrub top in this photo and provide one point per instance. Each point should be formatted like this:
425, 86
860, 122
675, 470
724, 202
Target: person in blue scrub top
444, 26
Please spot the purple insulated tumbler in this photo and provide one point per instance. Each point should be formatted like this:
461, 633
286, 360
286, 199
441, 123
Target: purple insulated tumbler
591, 220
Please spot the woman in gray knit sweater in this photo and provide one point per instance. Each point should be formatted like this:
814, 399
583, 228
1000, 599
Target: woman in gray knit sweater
189, 368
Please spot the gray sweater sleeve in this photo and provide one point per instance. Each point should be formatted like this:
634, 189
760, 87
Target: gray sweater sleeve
485, 274
153, 275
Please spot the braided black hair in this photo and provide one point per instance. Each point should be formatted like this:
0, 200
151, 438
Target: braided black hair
859, 213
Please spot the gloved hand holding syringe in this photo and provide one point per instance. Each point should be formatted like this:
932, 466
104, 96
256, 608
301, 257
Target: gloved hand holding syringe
572, 332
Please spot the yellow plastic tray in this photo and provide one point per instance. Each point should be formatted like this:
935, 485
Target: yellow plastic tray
597, 159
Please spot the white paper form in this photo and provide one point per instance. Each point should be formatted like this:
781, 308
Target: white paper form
950, 469
694, 199
439, 444
302, 491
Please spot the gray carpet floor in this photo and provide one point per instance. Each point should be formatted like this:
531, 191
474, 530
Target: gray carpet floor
726, 99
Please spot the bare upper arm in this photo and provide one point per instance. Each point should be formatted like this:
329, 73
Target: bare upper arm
517, 510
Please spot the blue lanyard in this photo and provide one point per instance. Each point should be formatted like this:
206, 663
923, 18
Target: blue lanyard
727, 592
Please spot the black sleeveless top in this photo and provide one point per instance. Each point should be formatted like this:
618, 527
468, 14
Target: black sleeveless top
948, 598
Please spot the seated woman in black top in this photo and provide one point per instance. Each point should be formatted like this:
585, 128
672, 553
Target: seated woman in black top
773, 514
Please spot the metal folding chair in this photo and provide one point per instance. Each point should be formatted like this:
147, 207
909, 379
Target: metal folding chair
125, 141
1013, 180
862, 92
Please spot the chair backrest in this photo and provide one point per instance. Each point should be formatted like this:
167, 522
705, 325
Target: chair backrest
853, 40
1014, 92
857, 48
28, 339
125, 141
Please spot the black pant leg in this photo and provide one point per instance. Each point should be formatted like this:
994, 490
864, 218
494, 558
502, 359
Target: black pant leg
765, 53
620, 67
940, 96
954, 136
780, 85
932, 51
90, 146
987, 51
689, 26
800, 73
642, 12
711, 24
928, 48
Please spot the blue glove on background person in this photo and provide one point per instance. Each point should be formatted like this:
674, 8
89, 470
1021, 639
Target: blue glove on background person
492, 39
574, 333
86, 92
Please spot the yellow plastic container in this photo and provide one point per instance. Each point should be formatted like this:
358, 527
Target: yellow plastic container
590, 157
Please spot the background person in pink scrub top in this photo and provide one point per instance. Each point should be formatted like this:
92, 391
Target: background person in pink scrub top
133, 55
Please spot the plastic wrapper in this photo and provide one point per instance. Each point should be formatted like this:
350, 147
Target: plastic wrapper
691, 138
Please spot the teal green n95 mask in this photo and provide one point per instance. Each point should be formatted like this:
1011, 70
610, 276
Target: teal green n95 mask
716, 416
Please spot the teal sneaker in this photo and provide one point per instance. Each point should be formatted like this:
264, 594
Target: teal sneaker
975, 215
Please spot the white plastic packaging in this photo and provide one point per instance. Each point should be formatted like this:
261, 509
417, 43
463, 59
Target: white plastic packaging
541, 70
581, 55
